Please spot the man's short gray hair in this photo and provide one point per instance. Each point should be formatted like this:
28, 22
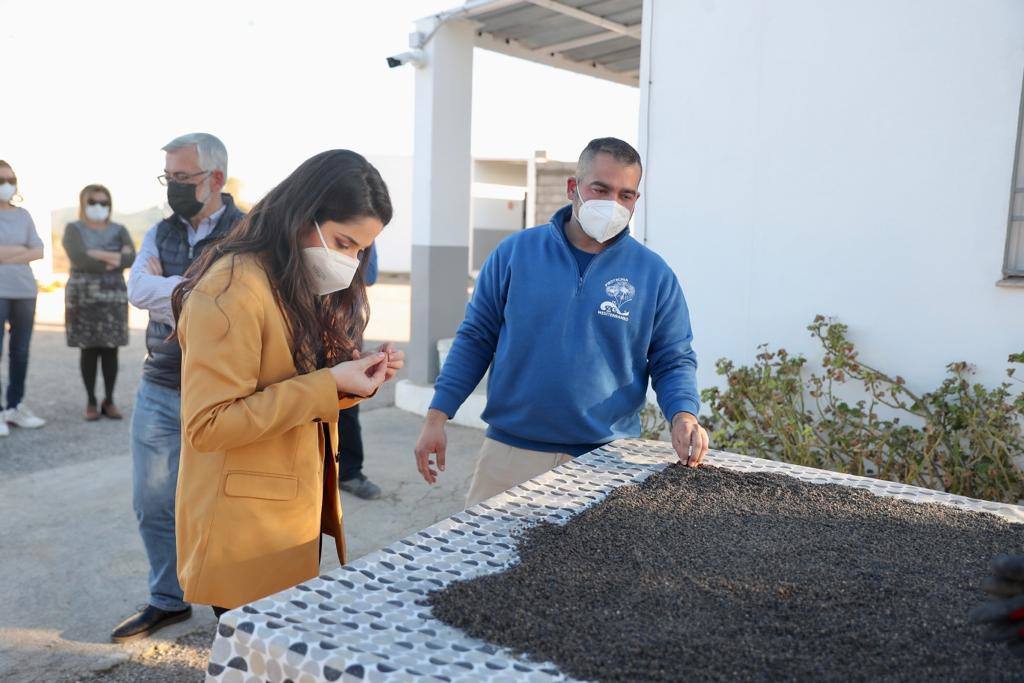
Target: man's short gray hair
620, 150
213, 155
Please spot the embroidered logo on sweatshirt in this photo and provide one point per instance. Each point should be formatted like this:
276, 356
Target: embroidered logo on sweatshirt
621, 292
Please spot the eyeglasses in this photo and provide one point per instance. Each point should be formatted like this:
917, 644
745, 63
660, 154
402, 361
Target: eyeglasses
166, 178
101, 202
10, 179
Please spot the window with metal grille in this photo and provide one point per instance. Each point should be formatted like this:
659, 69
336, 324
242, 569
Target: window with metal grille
1013, 264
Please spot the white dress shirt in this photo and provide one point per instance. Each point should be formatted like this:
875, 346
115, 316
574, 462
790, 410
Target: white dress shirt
153, 292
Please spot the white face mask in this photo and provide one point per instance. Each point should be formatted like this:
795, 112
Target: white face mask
602, 219
97, 213
7, 191
332, 271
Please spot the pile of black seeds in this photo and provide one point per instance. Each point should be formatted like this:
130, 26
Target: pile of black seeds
710, 575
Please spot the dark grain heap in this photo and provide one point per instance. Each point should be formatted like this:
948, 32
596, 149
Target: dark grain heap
710, 575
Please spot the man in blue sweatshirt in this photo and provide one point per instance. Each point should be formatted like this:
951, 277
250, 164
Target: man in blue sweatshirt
575, 316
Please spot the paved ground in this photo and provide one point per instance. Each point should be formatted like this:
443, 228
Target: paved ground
71, 561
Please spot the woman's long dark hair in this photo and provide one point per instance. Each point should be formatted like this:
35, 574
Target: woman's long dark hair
338, 185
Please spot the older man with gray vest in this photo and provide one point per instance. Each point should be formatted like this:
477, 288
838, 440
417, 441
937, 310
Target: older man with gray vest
195, 172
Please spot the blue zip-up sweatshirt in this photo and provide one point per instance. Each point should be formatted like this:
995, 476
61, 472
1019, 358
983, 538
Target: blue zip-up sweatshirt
571, 352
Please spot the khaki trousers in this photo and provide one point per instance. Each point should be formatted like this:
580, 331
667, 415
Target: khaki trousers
501, 467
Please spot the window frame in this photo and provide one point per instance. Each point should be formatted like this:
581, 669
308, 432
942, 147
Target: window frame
1013, 273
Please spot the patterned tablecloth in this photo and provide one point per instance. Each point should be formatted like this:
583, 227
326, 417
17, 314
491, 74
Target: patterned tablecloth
362, 621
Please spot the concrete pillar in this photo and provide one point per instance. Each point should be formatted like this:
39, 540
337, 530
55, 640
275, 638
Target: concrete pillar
442, 170
531, 187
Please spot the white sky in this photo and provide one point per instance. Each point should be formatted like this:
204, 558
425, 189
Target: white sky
94, 89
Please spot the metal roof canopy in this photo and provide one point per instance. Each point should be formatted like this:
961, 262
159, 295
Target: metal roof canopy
600, 38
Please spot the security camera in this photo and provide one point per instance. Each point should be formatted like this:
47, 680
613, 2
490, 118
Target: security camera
415, 57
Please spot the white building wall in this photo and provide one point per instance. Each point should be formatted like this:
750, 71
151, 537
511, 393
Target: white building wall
394, 245
500, 171
845, 158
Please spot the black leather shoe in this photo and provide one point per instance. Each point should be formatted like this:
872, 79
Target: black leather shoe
147, 622
361, 487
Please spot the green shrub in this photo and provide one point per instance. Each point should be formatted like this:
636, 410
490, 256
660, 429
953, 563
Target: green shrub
960, 437
653, 424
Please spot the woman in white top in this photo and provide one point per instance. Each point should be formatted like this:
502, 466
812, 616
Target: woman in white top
19, 246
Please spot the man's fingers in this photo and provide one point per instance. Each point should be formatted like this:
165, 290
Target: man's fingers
681, 442
422, 457
698, 445
423, 463
703, 444
693, 445
441, 449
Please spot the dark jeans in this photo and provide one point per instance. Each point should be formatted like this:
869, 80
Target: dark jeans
350, 444
18, 316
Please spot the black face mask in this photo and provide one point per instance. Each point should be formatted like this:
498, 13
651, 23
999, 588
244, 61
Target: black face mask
182, 198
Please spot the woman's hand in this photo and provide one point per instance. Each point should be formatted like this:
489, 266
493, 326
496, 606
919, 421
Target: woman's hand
361, 377
396, 360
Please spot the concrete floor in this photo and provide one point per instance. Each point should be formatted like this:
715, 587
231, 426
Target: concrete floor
71, 561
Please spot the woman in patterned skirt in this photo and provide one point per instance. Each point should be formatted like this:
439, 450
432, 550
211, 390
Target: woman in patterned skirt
96, 299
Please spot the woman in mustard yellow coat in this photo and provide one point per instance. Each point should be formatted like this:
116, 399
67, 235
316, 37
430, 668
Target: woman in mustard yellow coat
268, 322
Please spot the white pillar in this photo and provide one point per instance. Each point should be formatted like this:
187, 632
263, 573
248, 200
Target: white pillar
442, 183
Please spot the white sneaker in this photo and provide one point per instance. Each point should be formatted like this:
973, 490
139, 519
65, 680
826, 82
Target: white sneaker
4, 429
23, 417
